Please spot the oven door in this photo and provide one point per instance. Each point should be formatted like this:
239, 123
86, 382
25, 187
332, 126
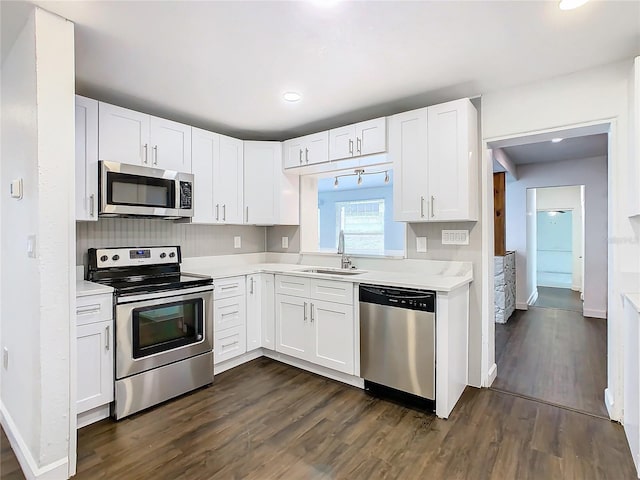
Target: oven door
136, 190
160, 331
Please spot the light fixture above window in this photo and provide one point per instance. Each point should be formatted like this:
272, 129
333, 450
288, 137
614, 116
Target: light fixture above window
571, 4
291, 96
359, 172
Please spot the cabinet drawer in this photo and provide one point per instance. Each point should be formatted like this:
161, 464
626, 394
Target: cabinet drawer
229, 343
228, 287
332, 291
229, 312
94, 308
291, 285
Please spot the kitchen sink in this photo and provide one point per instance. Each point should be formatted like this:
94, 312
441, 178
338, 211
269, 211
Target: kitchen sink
329, 271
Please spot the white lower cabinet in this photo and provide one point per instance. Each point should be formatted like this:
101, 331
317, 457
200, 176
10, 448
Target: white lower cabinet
229, 319
95, 357
260, 311
314, 329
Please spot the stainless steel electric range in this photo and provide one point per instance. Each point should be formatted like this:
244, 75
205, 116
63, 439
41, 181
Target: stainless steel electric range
163, 324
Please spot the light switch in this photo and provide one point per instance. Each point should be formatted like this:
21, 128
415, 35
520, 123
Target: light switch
421, 244
455, 237
237, 242
285, 242
16, 188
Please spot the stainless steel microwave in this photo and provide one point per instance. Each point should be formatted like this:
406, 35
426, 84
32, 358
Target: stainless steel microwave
132, 190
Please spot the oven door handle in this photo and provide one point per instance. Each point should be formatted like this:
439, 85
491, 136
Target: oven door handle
163, 296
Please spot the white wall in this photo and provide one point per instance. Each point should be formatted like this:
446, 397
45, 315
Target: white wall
526, 259
594, 96
38, 85
567, 198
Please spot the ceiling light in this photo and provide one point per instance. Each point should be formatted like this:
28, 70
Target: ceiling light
557, 140
386, 177
326, 3
552, 214
335, 183
571, 4
291, 96
359, 172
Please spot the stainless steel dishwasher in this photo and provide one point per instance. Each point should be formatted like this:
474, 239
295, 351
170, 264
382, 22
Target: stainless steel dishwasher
398, 340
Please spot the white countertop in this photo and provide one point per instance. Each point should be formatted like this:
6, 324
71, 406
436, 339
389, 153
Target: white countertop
84, 288
444, 282
634, 299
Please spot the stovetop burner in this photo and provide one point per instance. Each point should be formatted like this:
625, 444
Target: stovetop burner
141, 270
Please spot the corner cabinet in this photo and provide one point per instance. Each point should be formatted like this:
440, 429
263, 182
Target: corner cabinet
260, 311
315, 321
364, 138
127, 136
435, 160
271, 197
95, 357
307, 150
86, 159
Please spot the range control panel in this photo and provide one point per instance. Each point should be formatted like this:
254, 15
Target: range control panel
126, 257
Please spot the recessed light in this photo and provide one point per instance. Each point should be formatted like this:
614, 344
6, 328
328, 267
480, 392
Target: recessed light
326, 3
291, 96
557, 140
571, 4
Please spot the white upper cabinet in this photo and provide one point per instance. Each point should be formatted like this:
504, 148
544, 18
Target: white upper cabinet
271, 197
170, 145
434, 154
364, 138
127, 136
205, 150
124, 135
309, 150
86, 159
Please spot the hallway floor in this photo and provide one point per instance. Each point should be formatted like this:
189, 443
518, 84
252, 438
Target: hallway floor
557, 356
562, 298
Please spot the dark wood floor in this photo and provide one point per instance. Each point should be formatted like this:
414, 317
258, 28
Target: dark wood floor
554, 355
266, 420
9, 466
563, 298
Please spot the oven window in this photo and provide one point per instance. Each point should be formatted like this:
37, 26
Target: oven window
164, 327
135, 190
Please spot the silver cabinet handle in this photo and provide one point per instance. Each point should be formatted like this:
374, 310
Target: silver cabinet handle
87, 309
247, 213
229, 344
422, 207
146, 152
224, 212
155, 154
433, 208
92, 201
359, 145
217, 211
306, 154
300, 156
251, 287
351, 146
312, 313
107, 334
305, 311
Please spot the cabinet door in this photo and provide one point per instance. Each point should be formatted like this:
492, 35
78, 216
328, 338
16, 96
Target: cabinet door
371, 136
342, 142
86, 159
333, 328
229, 312
205, 151
254, 312
268, 311
316, 148
451, 163
260, 181
408, 151
293, 153
228, 181
123, 135
95, 365
170, 144
293, 332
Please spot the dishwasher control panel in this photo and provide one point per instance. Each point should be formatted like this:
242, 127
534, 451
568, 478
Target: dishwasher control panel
399, 297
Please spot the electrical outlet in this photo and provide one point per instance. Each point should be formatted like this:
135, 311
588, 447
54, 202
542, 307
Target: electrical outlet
31, 246
455, 237
5, 358
237, 242
285, 242
421, 244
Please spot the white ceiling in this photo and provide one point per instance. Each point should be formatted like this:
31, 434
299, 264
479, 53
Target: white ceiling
224, 65
576, 148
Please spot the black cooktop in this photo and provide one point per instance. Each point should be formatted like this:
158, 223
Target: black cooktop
146, 284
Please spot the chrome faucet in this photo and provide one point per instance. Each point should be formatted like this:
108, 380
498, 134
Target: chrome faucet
345, 262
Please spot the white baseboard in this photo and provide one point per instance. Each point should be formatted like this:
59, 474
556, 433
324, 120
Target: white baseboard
592, 312
53, 471
239, 360
522, 306
491, 376
94, 415
609, 403
533, 297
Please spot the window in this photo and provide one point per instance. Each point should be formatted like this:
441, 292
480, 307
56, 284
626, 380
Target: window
364, 212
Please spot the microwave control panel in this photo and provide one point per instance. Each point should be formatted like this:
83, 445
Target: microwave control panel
185, 195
